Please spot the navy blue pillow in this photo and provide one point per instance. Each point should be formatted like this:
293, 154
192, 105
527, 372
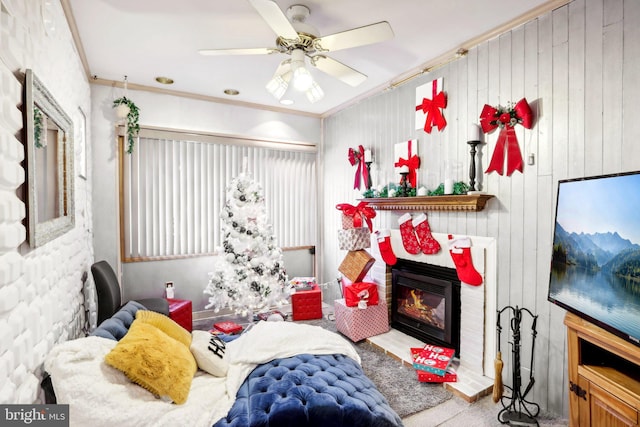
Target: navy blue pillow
116, 327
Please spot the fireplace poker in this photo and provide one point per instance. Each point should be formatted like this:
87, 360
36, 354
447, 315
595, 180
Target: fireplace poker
498, 387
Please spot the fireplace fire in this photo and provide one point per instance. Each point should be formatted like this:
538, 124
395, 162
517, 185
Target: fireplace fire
426, 303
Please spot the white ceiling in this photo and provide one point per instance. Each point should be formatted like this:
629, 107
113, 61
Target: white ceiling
143, 39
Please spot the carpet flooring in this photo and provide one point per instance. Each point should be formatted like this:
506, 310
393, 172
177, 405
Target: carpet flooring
398, 383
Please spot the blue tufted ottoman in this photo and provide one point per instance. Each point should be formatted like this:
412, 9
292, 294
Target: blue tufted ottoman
310, 390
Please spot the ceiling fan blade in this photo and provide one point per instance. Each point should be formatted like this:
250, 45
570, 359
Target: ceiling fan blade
247, 51
283, 68
275, 18
338, 70
368, 34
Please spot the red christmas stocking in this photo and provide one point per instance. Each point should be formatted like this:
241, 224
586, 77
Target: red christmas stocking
384, 243
460, 250
428, 244
408, 233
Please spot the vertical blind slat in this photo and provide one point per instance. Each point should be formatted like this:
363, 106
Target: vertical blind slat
175, 190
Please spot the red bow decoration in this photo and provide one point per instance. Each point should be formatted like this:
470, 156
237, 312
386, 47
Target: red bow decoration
358, 213
431, 107
491, 118
356, 158
413, 163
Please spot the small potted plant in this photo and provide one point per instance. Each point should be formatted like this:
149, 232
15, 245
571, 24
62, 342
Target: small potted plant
125, 108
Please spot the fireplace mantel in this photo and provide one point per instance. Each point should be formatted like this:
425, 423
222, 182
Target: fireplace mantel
466, 202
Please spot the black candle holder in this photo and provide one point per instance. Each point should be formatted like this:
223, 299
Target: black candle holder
404, 184
368, 183
472, 164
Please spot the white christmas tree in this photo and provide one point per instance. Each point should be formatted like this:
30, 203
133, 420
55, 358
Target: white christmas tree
249, 276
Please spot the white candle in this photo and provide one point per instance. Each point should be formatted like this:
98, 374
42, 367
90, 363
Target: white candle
474, 132
448, 186
367, 156
404, 169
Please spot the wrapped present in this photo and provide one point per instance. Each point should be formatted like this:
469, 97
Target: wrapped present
361, 294
356, 264
406, 157
432, 358
228, 327
354, 239
356, 216
431, 100
307, 305
359, 324
426, 377
303, 283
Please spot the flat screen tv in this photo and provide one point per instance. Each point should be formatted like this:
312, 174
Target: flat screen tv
595, 265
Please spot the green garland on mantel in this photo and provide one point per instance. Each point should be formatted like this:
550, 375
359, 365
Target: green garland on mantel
133, 127
459, 188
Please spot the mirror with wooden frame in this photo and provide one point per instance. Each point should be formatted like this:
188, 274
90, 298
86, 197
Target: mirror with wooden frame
49, 164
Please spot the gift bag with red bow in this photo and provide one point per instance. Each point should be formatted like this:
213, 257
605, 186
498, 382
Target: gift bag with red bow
361, 294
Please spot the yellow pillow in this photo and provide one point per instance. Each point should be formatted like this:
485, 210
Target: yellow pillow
166, 325
155, 361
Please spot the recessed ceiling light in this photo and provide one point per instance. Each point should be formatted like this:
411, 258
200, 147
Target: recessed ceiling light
232, 92
286, 101
164, 80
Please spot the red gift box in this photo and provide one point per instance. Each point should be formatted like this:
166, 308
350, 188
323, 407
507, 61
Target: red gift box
426, 377
181, 313
361, 291
307, 305
356, 264
358, 324
228, 327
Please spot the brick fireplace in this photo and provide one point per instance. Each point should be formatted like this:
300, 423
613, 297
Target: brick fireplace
477, 307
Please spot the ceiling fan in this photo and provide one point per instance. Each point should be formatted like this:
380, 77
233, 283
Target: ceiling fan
299, 40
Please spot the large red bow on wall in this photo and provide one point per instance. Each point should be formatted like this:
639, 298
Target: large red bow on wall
356, 158
431, 107
358, 213
491, 118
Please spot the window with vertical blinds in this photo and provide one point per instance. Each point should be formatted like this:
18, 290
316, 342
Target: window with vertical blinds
173, 187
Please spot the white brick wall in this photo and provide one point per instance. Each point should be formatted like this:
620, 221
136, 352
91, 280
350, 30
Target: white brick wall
41, 291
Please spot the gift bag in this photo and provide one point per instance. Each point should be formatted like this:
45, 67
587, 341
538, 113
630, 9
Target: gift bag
361, 294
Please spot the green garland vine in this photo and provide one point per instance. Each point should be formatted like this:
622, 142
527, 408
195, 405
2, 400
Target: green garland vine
133, 127
37, 127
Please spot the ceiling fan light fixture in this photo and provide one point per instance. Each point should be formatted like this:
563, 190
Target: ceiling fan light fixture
315, 93
277, 86
302, 79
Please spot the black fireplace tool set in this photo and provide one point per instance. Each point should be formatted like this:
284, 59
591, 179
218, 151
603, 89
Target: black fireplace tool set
517, 410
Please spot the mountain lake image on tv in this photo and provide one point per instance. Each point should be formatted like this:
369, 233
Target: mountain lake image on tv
595, 266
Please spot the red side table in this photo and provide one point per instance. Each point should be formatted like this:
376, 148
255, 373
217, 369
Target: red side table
307, 305
181, 313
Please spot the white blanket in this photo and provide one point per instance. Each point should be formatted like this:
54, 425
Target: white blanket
99, 395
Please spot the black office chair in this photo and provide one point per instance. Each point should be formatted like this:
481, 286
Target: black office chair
110, 298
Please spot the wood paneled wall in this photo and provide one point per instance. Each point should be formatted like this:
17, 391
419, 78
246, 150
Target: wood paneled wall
578, 67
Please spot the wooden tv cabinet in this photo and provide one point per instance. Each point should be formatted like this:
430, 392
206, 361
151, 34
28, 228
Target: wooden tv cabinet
604, 377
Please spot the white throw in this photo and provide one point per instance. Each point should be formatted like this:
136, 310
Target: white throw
99, 395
